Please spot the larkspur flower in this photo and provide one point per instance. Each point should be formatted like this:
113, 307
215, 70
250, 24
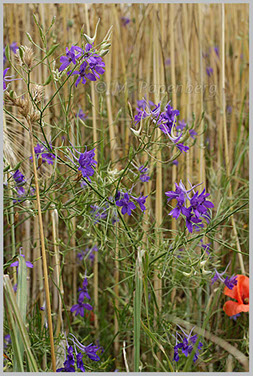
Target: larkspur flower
181, 125
209, 71
145, 111
216, 50
96, 64
206, 247
196, 212
186, 345
229, 282
86, 162
42, 152
83, 75
99, 212
80, 307
16, 263
91, 252
141, 201
83, 290
126, 204
125, 20
143, 176
175, 162
199, 204
14, 47
81, 115
70, 57
239, 292
235, 317
90, 350
192, 133
19, 178
79, 362
69, 362
7, 340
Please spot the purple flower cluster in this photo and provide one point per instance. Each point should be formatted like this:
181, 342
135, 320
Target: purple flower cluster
91, 351
123, 201
186, 345
166, 120
81, 306
143, 176
100, 213
90, 252
86, 162
229, 282
42, 152
198, 209
90, 68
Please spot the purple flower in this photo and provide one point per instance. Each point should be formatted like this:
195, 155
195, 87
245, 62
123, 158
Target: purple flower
141, 201
144, 177
19, 178
167, 61
7, 340
81, 114
175, 162
186, 345
14, 47
229, 282
80, 307
145, 111
86, 162
83, 74
209, 71
70, 57
125, 20
199, 204
41, 151
91, 252
181, 125
90, 350
79, 362
216, 50
126, 205
16, 263
234, 317
229, 109
80, 255
196, 212
193, 133
69, 362
182, 147
96, 65
206, 247
168, 119
83, 291
99, 212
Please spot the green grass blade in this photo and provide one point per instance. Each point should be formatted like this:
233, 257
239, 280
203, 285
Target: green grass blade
20, 324
137, 310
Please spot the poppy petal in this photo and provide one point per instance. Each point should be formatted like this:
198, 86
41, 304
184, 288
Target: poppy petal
232, 308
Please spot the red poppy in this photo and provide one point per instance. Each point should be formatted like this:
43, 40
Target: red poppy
240, 292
